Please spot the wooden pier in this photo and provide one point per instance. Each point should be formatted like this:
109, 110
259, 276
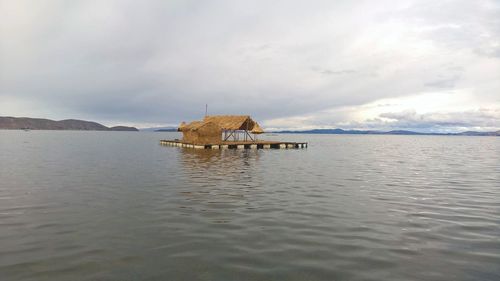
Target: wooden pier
236, 144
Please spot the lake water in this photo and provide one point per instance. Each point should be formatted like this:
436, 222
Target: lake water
118, 206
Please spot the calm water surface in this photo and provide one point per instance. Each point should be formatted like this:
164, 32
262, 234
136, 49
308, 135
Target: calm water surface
118, 206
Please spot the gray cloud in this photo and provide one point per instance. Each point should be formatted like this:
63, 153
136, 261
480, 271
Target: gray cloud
443, 82
162, 61
489, 51
439, 121
482, 119
334, 72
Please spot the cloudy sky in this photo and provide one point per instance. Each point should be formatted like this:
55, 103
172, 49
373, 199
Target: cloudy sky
401, 64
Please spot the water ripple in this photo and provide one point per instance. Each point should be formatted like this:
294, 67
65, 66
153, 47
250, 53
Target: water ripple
101, 206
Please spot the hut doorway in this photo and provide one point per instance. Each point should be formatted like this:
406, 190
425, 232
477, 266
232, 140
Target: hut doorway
237, 135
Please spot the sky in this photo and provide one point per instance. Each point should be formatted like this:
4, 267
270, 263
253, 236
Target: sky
429, 66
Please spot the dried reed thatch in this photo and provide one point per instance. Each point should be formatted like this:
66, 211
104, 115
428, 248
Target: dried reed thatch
191, 126
257, 129
209, 131
201, 132
231, 122
182, 126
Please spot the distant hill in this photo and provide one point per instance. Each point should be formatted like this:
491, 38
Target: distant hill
167, 130
395, 132
349, 132
473, 133
123, 128
25, 123
160, 129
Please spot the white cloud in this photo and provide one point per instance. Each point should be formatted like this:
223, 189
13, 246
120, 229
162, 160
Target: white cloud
428, 112
290, 63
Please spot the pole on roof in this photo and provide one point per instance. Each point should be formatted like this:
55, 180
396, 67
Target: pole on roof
246, 130
206, 109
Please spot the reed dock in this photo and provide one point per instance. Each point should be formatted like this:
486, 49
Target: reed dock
236, 144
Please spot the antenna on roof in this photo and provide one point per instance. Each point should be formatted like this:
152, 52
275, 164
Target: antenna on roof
206, 109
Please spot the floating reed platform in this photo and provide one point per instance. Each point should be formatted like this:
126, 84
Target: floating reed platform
237, 144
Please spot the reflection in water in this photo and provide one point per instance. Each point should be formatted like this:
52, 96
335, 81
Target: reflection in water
220, 160
219, 179
213, 166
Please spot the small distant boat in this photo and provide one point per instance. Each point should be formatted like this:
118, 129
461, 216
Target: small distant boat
26, 129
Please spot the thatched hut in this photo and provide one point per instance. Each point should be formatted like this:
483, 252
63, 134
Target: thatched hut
234, 127
201, 132
231, 122
230, 127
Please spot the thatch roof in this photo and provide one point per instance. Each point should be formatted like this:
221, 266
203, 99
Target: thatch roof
198, 125
182, 126
193, 126
231, 122
257, 129
201, 132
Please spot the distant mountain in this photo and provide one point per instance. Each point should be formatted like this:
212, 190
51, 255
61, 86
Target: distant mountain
167, 130
123, 129
14, 123
160, 129
348, 132
401, 132
473, 133
394, 132
327, 131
